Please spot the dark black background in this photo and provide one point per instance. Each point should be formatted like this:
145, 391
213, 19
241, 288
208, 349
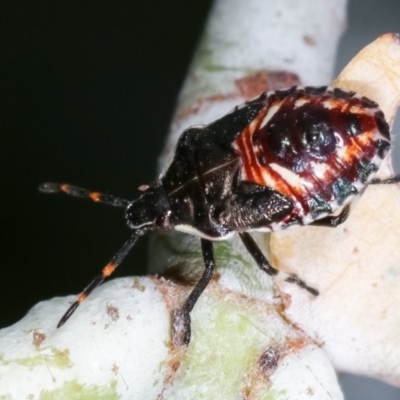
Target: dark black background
86, 98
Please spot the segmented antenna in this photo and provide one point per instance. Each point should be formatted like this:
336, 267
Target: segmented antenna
50, 187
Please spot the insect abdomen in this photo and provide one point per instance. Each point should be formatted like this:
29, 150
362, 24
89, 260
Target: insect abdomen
317, 146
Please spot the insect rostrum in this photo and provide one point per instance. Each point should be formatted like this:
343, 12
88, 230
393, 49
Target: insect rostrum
286, 158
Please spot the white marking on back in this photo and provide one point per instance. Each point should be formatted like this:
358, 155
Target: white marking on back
288, 176
300, 102
329, 104
271, 112
319, 169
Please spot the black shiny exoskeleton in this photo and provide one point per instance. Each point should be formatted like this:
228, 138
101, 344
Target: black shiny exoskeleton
291, 157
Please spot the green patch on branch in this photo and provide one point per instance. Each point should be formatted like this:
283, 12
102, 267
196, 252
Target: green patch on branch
58, 359
72, 390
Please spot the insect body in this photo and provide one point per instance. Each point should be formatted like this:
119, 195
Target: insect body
290, 157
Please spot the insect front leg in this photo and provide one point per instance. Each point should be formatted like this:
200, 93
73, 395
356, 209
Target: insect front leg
181, 318
265, 265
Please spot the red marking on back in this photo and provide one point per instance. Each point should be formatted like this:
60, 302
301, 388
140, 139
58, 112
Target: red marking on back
310, 142
250, 168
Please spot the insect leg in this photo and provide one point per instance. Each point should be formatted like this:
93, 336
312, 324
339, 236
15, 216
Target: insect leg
182, 317
50, 187
332, 221
378, 181
106, 272
265, 265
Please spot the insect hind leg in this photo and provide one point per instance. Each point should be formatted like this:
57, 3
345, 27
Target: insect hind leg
50, 187
266, 266
387, 181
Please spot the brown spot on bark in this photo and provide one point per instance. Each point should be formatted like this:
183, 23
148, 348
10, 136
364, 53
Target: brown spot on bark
310, 391
112, 312
137, 285
254, 84
248, 87
115, 369
294, 345
269, 360
309, 40
38, 338
286, 299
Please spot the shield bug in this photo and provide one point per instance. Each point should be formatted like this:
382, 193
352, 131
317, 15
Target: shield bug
289, 157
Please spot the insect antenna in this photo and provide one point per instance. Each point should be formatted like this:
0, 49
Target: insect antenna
50, 187
105, 273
